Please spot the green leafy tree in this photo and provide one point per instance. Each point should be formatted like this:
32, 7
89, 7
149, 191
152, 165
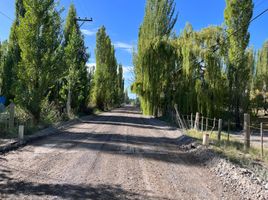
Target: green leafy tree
12, 56
211, 85
120, 85
237, 19
187, 60
105, 86
126, 97
260, 79
76, 90
39, 41
152, 62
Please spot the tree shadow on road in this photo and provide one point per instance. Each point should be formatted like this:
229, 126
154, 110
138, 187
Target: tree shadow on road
159, 149
128, 110
131, 121
16, 189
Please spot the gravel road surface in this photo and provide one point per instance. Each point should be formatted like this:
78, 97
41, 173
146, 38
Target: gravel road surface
115, 155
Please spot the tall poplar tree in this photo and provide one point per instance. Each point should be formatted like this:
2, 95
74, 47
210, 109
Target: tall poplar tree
120, 85
237, 19
76, 74
12, 57
39, 40
105, 87
261, 80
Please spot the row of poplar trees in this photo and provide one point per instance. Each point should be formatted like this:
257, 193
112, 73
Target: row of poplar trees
43, 64
108, 89
211, 71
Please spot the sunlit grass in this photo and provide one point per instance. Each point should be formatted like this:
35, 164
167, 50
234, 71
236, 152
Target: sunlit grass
232, 149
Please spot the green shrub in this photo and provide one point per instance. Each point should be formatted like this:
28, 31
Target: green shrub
49, 113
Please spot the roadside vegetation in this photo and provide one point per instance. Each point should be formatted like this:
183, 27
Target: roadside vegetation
49, 80
232, 149
212, 71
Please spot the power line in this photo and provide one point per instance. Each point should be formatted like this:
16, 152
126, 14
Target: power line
259, 15
5, 15
216, 47
232, 34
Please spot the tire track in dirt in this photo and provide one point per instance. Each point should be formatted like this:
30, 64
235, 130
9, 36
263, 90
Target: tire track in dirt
51, 164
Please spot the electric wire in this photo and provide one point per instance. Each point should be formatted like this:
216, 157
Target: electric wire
5, 15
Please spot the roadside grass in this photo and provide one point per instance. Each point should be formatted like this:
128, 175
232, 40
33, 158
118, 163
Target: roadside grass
97, 111
13, 133
233, 149
30, 129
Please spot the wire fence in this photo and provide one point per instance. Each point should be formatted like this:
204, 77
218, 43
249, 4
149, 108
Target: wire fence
11, 118
252, 134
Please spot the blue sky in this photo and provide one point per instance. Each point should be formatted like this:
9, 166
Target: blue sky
122, 19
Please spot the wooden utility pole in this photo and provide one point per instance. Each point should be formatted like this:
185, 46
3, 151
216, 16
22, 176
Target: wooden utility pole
83, 21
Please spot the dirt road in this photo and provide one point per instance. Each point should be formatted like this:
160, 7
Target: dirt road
117, 155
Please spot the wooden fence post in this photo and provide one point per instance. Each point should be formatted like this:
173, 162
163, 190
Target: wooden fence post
21, 133
262, 140
196, 124
246, 132
219, 129
11, 115
214, 123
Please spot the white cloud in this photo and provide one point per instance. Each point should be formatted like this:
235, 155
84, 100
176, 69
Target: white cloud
125, 46
89, 32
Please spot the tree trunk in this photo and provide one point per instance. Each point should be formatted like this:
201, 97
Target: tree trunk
68, 104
